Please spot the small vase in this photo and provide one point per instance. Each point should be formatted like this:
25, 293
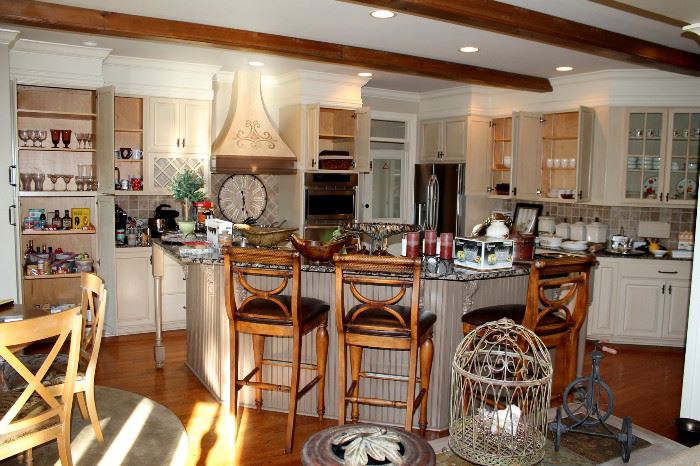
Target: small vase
186, 227
187, 210
497, 229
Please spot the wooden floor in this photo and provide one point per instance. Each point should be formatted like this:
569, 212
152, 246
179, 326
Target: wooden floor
645, 380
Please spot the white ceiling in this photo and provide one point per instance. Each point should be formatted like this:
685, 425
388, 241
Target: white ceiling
350, 24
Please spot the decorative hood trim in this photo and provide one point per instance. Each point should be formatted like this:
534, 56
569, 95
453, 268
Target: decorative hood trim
248, 133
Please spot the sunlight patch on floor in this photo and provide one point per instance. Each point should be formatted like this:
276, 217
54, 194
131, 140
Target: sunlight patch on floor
128, 434
210, 440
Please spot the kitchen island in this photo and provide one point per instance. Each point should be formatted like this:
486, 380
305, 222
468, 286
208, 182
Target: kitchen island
208, 352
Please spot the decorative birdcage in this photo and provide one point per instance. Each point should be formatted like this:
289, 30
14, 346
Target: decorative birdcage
501, 385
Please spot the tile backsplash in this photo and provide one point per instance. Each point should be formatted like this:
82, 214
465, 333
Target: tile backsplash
145, 206
616, 217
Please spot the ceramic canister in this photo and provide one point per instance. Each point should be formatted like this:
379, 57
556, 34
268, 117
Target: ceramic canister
596, 232
578, 231
564, 230
497, 229
546, 224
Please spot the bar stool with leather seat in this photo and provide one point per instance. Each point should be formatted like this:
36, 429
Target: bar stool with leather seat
382, 324
556, 307
266, 312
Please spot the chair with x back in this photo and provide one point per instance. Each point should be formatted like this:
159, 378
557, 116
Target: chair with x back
33, 415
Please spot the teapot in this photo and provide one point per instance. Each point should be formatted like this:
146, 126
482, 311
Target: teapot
497, 229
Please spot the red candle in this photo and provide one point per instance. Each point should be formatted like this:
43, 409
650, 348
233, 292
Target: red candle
430, 242
412, 244
446, 245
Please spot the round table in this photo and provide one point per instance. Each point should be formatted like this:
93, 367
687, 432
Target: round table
318, 449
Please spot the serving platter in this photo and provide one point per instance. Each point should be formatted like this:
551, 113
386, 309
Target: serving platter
687, 185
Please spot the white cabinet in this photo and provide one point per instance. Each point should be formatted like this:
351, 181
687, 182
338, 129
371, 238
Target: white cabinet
135, 306
662, 154
135, 292
443, 140
640, 301
178, 126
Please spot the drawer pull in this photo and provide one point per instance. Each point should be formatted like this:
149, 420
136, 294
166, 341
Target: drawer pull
668, 272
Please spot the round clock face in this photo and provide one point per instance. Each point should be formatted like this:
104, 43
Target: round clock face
242, 197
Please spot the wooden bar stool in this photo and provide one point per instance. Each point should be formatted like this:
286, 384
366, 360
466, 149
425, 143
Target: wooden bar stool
268, 312
556, 307
383, 324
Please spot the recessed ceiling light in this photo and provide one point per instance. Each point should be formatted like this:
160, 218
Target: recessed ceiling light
382, 14
469, 49
565, 68
256, 63
90, 43
365, 74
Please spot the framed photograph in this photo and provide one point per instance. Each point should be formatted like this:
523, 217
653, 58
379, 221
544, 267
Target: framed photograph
525, 218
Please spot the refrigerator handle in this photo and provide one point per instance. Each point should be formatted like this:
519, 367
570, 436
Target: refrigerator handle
460, 178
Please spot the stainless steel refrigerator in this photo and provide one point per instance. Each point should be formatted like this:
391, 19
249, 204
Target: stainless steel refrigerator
439, 197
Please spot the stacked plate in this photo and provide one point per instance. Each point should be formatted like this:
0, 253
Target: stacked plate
574, 245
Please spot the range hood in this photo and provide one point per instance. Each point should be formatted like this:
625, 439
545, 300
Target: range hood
248, 141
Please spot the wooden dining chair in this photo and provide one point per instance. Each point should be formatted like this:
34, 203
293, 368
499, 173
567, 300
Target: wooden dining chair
384, 324
34, 415
269, 312
555, 310
92, 309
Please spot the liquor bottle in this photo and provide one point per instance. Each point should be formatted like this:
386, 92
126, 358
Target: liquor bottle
67, 221
30, 249
56, 220
43, 249
51, 256
42, 221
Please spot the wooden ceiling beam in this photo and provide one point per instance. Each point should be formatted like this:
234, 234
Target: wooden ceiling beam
527, 24
68, 18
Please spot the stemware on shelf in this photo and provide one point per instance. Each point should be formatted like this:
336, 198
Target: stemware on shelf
88, 140
66, 179
80, 183
53, 177
65, 137
34, 136
38, 179
80, 137
91, 184
23, 136
55, 137
42, 137
26, 181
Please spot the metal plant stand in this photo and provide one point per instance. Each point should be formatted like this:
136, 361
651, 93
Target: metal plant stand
588, 401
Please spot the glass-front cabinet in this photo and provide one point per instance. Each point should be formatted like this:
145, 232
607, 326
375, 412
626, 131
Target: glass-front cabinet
662, 156
501, 156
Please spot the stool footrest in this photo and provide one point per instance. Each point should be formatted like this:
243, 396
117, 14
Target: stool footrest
264, 386
308, 386
376, 402
382, 376
282, 363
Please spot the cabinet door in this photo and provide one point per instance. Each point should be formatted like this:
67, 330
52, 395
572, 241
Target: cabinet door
361, 142
105, 140
677, 299
104, 222
683, 157
585, 154
478, 154
455, 142
500, 161
644, 156
431, 140
642, 306
194, 121
164, 119
601, 312
135, 309
313, 114
526, 150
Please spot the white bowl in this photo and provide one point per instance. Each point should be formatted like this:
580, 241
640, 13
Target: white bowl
659, 253
550, 241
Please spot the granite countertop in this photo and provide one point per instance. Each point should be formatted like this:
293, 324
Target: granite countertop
604, 253
459, 273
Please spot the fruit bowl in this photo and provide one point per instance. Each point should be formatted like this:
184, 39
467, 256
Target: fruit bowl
264, 236
316, 251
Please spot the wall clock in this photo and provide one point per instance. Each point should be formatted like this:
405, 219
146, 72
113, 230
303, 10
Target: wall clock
242, 197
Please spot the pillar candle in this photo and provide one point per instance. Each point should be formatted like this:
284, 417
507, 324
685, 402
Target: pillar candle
413, 244
430, 242
446, 245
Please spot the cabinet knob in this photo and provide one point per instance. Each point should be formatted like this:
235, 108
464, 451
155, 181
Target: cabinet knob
489, 189
539, 192
366, 206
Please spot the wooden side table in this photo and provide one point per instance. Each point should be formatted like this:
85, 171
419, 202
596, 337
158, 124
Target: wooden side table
319, 449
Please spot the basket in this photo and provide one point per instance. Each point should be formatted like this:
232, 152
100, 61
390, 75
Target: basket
335, 164
264, 236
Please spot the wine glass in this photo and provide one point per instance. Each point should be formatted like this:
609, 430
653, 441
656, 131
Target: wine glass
92, 183
34, 136
80, 182
65, 137
53, 177
55, 137
88, 140
66, 179
24, 136
42, 137
26, 181
38, 179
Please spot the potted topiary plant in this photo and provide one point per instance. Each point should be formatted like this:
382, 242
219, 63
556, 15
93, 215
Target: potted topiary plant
187, 187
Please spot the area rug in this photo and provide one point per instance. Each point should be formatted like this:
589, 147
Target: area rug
137, 432
578, 449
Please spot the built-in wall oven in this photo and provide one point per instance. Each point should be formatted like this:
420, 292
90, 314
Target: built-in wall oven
329, 200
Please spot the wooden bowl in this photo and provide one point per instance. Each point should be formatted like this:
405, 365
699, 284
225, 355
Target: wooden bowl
317, 251
264, 236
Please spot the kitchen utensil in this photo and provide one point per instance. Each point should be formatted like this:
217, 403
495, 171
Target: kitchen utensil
523, 247
125, 152
578, 230
263, 236
574, 245
497, 229
596, 232
546, 224
548, 241
619, 242
563, 229
65, 137
136, 154
659, 253
317, 251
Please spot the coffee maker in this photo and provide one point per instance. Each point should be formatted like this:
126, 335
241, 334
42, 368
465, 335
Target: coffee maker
120, 218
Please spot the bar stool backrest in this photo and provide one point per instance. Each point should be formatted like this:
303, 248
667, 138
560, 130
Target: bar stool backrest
240, 263
357, 269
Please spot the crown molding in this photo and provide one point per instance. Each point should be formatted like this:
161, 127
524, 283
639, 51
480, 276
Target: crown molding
164, 65
66, 50
327, 89
403, 96
8, 36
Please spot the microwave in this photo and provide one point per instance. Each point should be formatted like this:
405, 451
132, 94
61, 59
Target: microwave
330, 197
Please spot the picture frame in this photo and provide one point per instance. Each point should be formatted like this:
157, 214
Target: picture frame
525, 218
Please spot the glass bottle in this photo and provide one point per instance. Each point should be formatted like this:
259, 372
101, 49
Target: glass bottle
42, 221
56, 220
27, 254
67, 221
